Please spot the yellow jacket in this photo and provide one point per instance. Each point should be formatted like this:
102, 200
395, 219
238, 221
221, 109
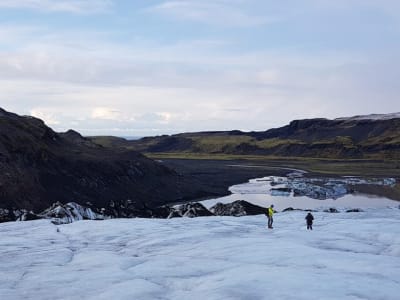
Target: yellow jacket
270, 212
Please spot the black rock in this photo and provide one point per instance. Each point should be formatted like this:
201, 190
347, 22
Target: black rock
70, 212
29, 216
293, 209
331, 210
12, 214
288, 209
174, 214
354, 210
7, 215
237, 209
161, 212
191, 210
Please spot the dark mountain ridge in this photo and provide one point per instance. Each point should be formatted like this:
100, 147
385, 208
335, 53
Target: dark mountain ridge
345, 138
310, 130
39, 167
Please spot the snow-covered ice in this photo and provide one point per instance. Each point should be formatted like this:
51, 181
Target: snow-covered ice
347, 256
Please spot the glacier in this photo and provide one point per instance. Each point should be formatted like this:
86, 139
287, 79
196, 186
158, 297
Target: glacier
306, 193
346, 256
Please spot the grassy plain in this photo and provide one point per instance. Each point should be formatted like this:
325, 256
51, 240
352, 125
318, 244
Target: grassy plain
339, 167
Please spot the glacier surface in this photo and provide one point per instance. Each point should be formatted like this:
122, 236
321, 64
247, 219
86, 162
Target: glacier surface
346, 256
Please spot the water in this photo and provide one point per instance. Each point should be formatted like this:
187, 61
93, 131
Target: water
257, 191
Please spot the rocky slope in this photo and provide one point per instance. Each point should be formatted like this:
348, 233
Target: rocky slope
372, 137
39, 167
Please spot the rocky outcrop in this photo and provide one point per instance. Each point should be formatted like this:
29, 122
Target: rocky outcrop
293, 209
67, 213
70, 212
29, 216
237, 209
9, 215
331, 210
354, 210
59, 214
190, 210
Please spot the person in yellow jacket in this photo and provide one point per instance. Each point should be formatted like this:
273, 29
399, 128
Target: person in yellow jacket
270, 213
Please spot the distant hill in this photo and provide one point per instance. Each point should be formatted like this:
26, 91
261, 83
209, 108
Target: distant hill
39, 167
366, 137
373, 117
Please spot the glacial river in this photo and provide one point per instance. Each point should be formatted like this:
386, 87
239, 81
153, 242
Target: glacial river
258, 192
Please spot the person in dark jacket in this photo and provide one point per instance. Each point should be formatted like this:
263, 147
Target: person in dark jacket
310, 219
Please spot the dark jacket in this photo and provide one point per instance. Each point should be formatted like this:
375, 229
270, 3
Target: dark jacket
309, 218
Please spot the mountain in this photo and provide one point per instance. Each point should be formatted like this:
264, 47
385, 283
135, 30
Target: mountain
366, 137
373, 117
39, 167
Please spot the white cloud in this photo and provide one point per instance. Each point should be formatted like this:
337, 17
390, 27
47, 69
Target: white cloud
179, 88
217, 12
11, 34
106, 113
165, 117
157, 117
71, 6
48, 117
86, 81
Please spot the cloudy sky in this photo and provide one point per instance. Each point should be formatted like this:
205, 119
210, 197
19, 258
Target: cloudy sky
147, 67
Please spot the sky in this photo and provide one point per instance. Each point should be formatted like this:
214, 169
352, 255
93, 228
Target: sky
150, 67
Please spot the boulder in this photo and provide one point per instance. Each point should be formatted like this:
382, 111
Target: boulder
161, 212
290, 209
237, 209
174, 214
70, 212
29, 216
354, 210
331, 210
6, 215
10, 215
191, 210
